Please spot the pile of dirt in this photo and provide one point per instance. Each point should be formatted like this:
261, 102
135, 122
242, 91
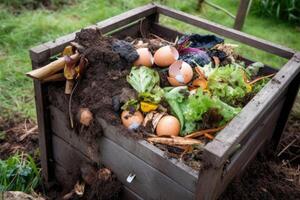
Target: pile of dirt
109, 60
17, 137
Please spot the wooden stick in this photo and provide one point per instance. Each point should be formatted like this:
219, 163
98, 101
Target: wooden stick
51, 68
174, 141
260, 78
202, 132
54, 77
209, 136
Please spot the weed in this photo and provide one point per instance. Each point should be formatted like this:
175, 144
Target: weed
19, 173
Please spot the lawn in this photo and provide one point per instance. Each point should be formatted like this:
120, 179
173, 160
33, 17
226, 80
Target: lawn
21, 31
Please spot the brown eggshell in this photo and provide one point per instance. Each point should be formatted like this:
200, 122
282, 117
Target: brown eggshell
165, 56
168, 126
132, 121
180, 73
145, 58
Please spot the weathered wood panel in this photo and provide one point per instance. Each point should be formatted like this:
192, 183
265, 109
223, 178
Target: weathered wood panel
122, 163
222, 175
174, 169
43, 120
147, 178
67, 180
227, 32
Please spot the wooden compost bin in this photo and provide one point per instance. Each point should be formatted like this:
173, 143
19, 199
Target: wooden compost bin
260, 122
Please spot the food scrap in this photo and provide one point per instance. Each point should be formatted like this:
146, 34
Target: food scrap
177, 95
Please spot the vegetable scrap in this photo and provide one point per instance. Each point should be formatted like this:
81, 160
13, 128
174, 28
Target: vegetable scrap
177, 96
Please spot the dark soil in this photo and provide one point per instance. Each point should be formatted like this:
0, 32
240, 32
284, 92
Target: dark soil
17, 137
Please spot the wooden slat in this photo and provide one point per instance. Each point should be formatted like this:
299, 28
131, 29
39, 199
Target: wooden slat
122, 163
128, 194
249, 117
227, 32
61, 128
42, 52
176, 170
220, 177
149, 183
173, 168
43, 120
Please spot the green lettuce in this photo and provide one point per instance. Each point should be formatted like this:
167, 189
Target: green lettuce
190, 108
143, 79
228, 83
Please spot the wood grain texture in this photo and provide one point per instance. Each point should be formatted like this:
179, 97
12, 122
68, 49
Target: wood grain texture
148, 183
227, 32
45, 145
150, 154
222, 175
122, 163
174, 169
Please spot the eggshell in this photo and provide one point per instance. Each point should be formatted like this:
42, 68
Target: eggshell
168, 126
200, 82
145, 58
132, 121
180, 73
165, 56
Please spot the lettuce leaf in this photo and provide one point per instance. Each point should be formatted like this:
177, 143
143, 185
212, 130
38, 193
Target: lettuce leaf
190, 108
228, 83
143, 79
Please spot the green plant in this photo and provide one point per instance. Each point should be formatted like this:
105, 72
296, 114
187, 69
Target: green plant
33, 4
281, 9
19, 173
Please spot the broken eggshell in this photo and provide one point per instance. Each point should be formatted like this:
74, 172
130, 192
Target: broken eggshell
168, 126
180, 73
145, 58
132, 120
165, 56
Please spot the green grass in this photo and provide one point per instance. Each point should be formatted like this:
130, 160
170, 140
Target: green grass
20, 32
19, 173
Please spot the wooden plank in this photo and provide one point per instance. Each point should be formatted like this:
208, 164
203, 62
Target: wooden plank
45, 145
287, 107
176, 170
44, 51
173, 168
147, 178
242, 157
242, 14
60, 128
128, 194
227, 32
249, 117
122, 163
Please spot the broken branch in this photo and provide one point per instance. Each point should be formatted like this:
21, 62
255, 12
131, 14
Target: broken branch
202, 132
174, 141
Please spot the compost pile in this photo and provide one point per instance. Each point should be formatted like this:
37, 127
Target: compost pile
176, 96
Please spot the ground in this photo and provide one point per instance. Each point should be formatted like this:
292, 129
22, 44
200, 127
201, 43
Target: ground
25, 29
